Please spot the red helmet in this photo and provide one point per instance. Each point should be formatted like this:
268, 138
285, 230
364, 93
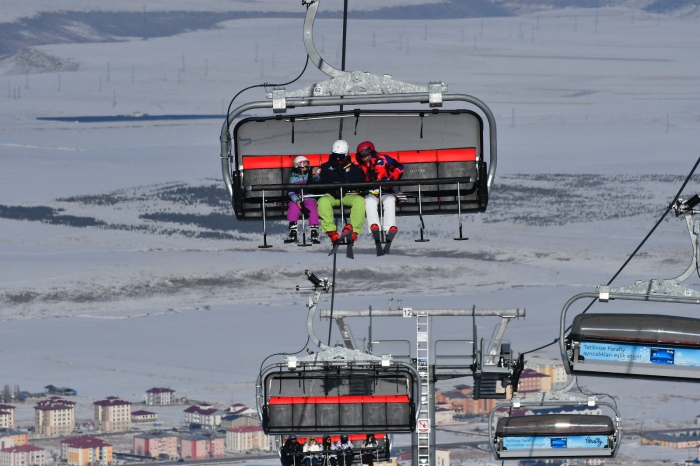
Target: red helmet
363, 146
363, 149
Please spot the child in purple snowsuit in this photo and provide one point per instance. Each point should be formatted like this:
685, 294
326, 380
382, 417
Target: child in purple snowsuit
302, 174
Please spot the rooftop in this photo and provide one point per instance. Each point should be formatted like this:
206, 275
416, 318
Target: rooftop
22, 449
202, 411
160, 390
54, 403
141, 412
4, 407
112, 401
85, 442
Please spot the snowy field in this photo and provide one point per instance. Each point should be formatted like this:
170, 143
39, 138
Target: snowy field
112, 311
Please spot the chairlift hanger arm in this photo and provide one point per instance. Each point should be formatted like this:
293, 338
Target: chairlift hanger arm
345, 82
670, 286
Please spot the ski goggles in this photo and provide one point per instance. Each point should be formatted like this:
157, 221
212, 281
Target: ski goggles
304, 164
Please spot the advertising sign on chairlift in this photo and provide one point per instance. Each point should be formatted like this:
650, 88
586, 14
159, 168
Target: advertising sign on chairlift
423, 426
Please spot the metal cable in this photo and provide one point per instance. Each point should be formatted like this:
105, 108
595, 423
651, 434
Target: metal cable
308, 339
330, 321
668, 209
265, 85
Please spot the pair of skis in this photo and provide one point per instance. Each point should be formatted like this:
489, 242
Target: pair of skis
386, 249
344, 238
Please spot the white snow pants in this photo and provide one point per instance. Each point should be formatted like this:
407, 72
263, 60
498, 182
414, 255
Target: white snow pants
372, 209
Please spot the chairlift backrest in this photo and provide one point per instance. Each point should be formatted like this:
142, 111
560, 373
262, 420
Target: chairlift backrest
338, 400
441, 151
634, 345
555, 436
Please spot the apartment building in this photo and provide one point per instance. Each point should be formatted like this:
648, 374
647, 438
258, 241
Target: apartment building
7, 416
205, 416
534, 382
23, 455
202, 446
143, 416
13, 438
156, 445
247, 438
54, 417
86, 451
444, 414
461, 401
159, 396
230, 421
112, 414
556, 373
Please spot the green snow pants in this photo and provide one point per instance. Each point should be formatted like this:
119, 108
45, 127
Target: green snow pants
357, 211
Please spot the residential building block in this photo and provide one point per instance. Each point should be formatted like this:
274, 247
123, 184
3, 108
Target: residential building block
205, 416
86, 451
534, 382
202, 446
143, 416
159, 396
7, 416
23, 455
156, 445
13, 438
247, 438
54, 417
112, 414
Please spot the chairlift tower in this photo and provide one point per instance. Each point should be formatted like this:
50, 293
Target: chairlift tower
489, 364
425, 432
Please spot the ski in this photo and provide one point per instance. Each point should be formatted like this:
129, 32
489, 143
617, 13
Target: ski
389, 237
345, 236
349, 253
378, 242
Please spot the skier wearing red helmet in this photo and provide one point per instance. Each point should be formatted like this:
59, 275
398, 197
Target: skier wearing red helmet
380, 167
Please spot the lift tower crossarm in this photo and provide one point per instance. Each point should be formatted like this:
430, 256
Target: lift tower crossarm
509, 313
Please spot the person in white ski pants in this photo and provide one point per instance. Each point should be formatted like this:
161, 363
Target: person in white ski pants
388, 210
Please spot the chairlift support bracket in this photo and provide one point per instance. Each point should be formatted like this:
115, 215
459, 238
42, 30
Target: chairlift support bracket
347, 83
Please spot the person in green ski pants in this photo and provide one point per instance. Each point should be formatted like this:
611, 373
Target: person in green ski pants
341, 169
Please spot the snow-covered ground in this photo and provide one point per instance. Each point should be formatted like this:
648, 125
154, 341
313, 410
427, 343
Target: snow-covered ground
114, 312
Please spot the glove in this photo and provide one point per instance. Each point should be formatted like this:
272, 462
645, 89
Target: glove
305, 210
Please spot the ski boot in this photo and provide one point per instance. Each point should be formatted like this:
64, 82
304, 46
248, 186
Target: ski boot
314, 235
292, 237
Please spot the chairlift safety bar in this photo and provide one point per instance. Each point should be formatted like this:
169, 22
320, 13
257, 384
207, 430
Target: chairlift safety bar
225, 138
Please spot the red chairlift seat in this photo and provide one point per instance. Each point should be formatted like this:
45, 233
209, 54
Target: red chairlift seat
333, 401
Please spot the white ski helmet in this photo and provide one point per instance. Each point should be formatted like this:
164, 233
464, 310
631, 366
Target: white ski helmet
340, 147
298, 159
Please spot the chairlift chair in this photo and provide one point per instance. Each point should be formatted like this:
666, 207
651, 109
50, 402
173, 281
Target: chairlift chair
442, 151
336, 390
551, 436
649, 346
